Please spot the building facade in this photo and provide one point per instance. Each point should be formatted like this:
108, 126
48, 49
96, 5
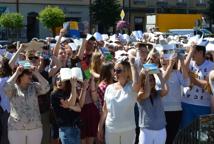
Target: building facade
74, 10
137, 10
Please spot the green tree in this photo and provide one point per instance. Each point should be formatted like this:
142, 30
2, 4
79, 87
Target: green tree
12, 24
52, 17
105, 13
11, 20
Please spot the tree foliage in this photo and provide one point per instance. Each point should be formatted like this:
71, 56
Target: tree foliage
105, 13
11, 20
52, 17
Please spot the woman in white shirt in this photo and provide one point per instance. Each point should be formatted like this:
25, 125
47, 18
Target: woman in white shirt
172, 101
118, 109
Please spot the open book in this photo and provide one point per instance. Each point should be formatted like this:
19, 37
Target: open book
34, 46
106, 53
67, 74
152, 68
26, 64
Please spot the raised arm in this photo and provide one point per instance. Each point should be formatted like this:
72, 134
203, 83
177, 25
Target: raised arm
82, 49
71, 101
135, 75
42, 86
83, 93
189, 55
184, 69
9, 87
16, 55
57, 47
167, 72
56, 66
145, 89
13, 78
164, 87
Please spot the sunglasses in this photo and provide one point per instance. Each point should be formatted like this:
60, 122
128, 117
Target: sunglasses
118, 71
33, 58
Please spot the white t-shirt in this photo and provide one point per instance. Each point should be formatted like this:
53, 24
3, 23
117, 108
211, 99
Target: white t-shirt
176, 81
195, 95
120, 106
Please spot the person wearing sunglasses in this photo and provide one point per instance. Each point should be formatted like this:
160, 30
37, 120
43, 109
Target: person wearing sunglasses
118, 108
25, 122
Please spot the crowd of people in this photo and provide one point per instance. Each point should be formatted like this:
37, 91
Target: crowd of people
119, 101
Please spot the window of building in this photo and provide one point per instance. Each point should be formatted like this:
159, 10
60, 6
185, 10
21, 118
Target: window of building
138, 23
180, 1
139, 1
201, 1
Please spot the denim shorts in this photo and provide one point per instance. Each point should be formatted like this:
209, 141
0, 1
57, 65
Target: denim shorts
69, 135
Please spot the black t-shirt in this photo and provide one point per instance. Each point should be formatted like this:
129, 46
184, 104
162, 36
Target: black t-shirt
73, 62
64, 117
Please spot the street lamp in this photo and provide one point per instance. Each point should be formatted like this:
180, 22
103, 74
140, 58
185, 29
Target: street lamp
129, 15
17, 6
90, 16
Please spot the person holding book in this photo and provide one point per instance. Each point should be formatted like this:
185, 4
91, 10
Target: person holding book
25, 121
90, 112
152, 121
140, 60
67, 102
119, 100
172, 101
196, 100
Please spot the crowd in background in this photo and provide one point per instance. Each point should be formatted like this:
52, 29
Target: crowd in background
119, 100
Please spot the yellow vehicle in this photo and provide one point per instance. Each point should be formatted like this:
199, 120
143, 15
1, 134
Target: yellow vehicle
164, 22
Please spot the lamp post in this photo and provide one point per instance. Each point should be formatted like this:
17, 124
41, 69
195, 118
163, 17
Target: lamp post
90, 17
129, 16
187, 6
17, 6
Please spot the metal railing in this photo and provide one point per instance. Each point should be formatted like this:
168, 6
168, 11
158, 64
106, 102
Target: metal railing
13, 35
200, 131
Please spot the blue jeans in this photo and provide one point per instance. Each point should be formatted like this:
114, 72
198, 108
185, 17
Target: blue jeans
69, 135
4, 127
191, 112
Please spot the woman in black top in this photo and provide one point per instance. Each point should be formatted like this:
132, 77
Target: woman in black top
66, 102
